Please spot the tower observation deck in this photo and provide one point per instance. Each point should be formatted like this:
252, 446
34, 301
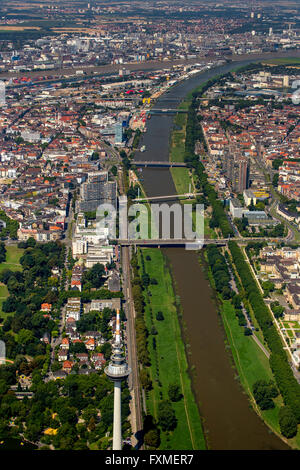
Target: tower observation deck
117, 370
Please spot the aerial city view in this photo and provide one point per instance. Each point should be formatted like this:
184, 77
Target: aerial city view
149, 227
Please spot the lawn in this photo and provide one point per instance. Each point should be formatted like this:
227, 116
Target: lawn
252, 365
168, 359
13, 255
181, 176
181, 180
283, 61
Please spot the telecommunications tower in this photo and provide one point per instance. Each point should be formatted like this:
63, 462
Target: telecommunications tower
117, 371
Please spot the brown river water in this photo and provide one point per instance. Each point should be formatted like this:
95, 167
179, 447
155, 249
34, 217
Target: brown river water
228, 419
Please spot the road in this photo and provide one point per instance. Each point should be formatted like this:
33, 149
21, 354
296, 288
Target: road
134, 384
268, 172
247, 318
286, 346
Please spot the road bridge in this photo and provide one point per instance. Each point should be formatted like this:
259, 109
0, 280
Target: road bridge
154, 164
181, 242
170, 242
167, 111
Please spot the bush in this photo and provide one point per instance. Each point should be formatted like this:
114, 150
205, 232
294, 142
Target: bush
286, 382
247, 332
263, 392
145, 380
159, 316
174, 392
166, 416
287, 422
152, 438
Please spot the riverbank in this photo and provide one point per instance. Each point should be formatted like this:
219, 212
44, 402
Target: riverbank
229, 421
258, 367
183, 177
167, 356
250, 361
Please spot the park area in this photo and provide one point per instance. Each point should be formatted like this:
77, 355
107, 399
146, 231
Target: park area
13, 255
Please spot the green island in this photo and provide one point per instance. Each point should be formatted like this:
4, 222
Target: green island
170, 403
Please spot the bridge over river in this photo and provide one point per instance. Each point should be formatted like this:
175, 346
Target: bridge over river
155, 164
182, 242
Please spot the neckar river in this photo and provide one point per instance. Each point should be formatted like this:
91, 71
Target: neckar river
228, 419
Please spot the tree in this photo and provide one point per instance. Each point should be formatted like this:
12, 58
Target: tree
145, 380
264, 392
31, 242
77, 348
114, 170
174, 392
3, 387
106, 350
2, 252
67, 415
166, 416
95, 275
9, 305
247, 331
287, 422
25, 336
275, 180
159, 316
95, 156
152, 438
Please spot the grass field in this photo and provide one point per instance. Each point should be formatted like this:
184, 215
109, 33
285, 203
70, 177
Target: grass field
13, 255
283, 61
181, 179
168, 359
180, 176
250, 360
251, 364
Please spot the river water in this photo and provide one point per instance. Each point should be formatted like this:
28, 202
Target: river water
229, 421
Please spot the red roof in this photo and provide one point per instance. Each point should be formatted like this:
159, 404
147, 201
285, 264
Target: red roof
67, 365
